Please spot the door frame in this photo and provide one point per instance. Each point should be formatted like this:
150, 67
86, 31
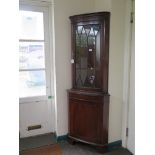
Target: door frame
127, 71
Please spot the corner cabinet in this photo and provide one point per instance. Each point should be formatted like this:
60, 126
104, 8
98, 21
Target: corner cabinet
89, 98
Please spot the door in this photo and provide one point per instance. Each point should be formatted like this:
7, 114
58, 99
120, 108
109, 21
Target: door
84, 120
131, 107
34, 71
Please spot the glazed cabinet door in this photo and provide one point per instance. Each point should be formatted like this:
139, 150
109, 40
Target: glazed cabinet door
87, 56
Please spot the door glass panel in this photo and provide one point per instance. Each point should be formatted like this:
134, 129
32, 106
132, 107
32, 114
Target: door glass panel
31, 55
32, 83
87, 56
31, 25
32, 77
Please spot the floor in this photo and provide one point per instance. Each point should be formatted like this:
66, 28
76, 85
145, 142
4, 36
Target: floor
80, 149
53, 149
65, 147
36, 141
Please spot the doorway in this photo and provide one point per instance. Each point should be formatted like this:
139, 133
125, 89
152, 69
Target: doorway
35, 100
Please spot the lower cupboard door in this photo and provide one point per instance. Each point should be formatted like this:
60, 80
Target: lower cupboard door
85, 119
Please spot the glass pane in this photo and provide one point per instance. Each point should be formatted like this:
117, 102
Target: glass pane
87, 29
32, 83
87, 56
98, 56
31, 55
91, 32
83, 38
79, 29
96, 29
31, 25
79, 82
81, 48
81, 75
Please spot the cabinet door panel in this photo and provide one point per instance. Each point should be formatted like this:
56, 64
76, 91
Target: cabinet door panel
84, 120
87, 56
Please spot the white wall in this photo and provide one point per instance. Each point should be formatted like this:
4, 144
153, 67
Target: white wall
102, 5
64, 9
117, 37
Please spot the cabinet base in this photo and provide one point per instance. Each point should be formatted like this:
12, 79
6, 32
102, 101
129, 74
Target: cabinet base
71, 141
99, 147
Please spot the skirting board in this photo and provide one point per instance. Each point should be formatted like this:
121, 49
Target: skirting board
62, 138
114, 145
111, 146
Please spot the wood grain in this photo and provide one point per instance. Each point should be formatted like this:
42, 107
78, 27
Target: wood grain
88, 117
46, 150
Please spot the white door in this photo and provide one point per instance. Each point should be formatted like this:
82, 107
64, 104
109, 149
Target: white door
35, 99
131, 107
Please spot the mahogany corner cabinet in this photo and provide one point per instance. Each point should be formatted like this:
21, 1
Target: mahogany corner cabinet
89, 98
